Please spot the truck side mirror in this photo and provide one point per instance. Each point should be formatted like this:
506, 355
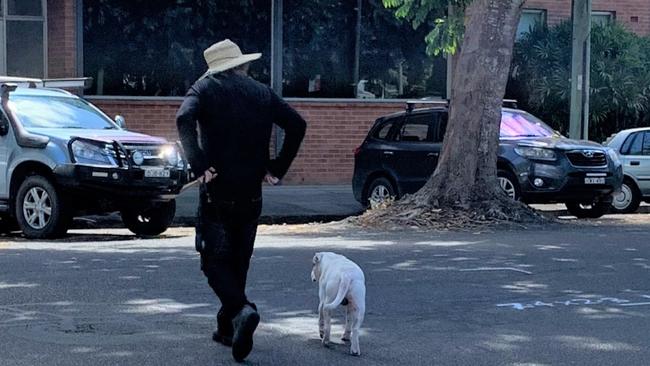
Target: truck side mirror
120, 121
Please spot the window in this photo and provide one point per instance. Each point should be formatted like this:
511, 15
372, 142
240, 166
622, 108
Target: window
22, 35
392, 58
516, 124
646, 144
382, 131
319, 48
155, 48
530, 18
602, 18
633, 145
416, 129
331, 48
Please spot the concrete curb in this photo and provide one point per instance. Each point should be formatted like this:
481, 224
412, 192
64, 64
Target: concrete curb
114, 221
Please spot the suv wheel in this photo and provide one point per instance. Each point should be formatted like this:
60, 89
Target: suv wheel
508, 183
593, 210
380, 190
150, 220
628, 199
40, 211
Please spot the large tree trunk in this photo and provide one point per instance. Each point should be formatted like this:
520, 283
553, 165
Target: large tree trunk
466, 173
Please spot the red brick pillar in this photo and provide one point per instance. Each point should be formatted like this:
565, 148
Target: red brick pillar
62, 38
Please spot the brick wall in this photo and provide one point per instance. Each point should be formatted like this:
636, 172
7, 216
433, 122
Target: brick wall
61, 38
334, 130
634, 14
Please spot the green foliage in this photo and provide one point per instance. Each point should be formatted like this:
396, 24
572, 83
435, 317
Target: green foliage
446, 29
620, 77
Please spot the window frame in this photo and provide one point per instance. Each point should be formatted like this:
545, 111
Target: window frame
608, 13
537, 11
5, 17
431, 131
646, 140
393, 122
630, 141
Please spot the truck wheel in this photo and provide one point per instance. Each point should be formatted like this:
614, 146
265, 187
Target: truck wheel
40, 210
594, 210
151, 220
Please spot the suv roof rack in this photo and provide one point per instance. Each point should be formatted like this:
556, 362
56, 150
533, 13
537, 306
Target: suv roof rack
47, 83
410, 104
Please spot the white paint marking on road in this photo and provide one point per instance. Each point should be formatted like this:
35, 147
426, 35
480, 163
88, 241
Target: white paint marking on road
496, 269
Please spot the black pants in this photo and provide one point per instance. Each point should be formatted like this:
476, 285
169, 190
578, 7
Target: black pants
225, 235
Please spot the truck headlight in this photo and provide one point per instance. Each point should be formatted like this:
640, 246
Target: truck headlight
170, 154
88, 153
536, 153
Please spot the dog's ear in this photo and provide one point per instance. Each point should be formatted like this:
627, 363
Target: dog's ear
317, 258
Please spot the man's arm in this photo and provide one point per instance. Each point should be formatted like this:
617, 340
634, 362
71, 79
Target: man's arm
294, 127
186, 119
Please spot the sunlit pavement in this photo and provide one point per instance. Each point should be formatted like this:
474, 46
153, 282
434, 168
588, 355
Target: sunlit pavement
569, 294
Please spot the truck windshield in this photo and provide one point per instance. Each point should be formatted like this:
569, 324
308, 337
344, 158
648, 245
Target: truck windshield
58, 112
521, 124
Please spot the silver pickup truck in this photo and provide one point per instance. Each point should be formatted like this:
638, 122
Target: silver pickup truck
60, 157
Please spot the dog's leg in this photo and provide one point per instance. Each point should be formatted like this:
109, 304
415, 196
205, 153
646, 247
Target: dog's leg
327, 327
348, 323
357, 318
321, 320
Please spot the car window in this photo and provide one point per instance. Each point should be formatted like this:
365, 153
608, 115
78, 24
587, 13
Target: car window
442, 126
383, 130
416, 129
58, 112
633, 145
516, 124
646, 143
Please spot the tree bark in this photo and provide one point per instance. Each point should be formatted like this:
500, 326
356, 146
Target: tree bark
466, 172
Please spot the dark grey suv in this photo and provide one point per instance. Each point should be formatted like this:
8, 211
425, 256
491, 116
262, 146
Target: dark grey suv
535, 164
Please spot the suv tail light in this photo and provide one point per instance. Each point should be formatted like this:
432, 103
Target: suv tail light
357, 151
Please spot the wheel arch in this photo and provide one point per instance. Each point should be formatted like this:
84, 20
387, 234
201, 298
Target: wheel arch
21, 172
380, 174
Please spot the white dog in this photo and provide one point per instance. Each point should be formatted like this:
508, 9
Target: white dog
340, 282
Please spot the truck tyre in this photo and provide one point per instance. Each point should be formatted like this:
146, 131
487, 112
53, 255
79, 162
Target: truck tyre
40, 209
149, 220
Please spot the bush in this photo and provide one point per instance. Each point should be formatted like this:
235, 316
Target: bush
620, 78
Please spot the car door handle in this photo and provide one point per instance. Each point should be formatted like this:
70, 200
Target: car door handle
388, 153
433, 154
635, 163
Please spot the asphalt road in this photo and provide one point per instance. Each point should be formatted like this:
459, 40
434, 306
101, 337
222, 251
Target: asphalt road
570, 294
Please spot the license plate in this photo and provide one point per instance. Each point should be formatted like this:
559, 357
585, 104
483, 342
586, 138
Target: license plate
594, 180
156, 173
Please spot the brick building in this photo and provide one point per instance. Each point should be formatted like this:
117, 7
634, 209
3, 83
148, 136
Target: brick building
365, 68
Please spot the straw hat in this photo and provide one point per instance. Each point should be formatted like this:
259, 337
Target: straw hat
225, 55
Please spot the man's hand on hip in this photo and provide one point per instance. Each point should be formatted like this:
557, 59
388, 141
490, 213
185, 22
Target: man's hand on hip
208, 175
270, 179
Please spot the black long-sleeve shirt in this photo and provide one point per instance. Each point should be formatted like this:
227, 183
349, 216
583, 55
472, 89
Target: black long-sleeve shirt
235, 115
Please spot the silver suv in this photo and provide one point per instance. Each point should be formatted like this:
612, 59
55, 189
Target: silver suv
60, 156
633, 147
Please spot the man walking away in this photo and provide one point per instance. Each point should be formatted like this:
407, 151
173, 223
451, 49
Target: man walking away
230, 155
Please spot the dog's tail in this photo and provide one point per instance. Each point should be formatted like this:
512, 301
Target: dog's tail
344, 287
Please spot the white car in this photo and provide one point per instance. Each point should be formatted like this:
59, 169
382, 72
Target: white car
633, 148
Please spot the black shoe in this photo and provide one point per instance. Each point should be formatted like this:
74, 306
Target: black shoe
224, 332
245, 324
222, 338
